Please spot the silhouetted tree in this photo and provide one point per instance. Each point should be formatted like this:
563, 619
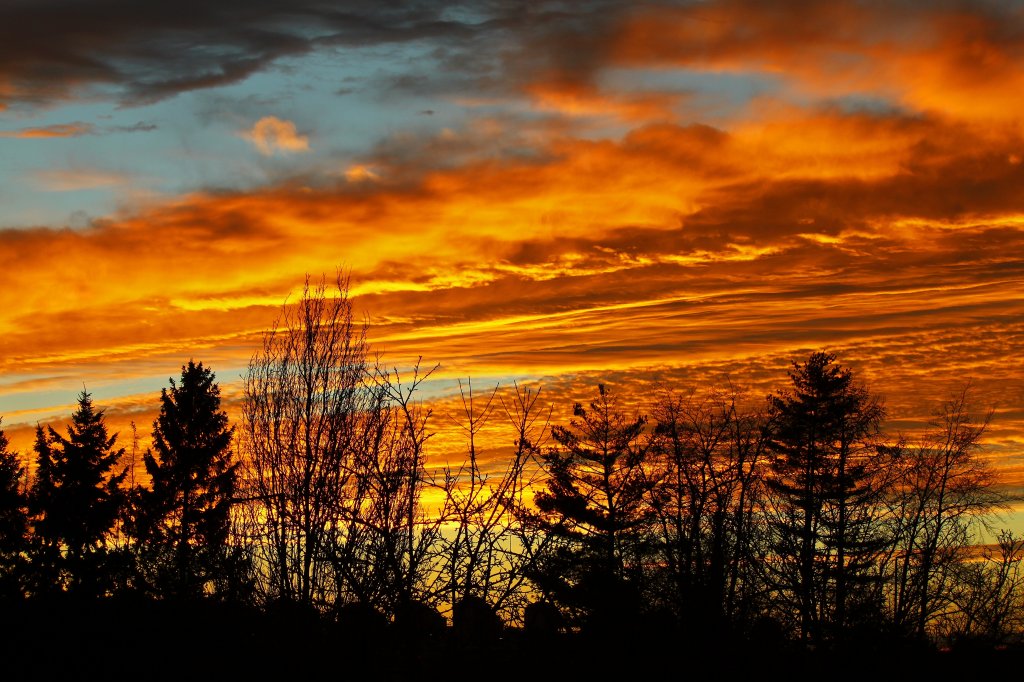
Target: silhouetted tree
75, 501
944, 492
824, 502
986, 599
385, 546
13, 520
595, 505
360, 625
303, 399
408, 542
531, 425
473, 510
484, 554
336, 464
183, 519
418, 623
710, 457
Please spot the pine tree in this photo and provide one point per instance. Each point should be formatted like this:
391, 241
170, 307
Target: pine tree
183, 521
823, 513
595, 505
13, 519
75, 501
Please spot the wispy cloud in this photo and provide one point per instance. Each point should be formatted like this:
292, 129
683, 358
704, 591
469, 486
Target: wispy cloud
76, 129
140, 127
75, 179
56, 130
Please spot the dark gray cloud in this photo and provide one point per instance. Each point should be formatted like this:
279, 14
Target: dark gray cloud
140, 127
142, 52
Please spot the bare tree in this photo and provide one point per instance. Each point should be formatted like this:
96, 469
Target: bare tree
486, 552
304, 398
333, 444
531, 424
469, 555
386, 543
987, 599
944, 492
710, 459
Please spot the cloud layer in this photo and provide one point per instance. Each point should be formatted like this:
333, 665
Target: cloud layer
650, 194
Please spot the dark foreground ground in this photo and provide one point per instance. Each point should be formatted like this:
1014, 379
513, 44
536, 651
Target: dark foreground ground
136, 640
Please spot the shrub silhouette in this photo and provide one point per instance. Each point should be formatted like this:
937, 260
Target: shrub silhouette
542, 620
475, 621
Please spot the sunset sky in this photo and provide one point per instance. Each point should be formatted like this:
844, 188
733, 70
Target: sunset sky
651, 195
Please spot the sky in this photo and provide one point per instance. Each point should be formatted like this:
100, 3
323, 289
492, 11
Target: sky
652, 195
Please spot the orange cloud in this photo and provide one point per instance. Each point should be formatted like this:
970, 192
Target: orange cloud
271, 135
662, 252
964, 60
580, 100
524, 237
57, 130
360, 173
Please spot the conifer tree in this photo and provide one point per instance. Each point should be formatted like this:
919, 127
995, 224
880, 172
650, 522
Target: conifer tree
75, 501
822, 510
13, 519
595, 505
183, 521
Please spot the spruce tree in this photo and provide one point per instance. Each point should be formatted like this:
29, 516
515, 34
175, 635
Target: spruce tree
183, 520
595, 505
13, 519
824, 518
76, 501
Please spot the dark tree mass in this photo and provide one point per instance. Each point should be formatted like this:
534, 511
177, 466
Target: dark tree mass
823, 481
13, 519
182, 520
716, 522
76, 500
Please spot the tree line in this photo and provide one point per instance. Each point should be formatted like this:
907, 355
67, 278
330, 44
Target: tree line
795, 518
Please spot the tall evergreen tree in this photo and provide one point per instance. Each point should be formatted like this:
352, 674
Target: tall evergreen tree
595, 505
183, 521
13, 519
825, 491
75, 501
